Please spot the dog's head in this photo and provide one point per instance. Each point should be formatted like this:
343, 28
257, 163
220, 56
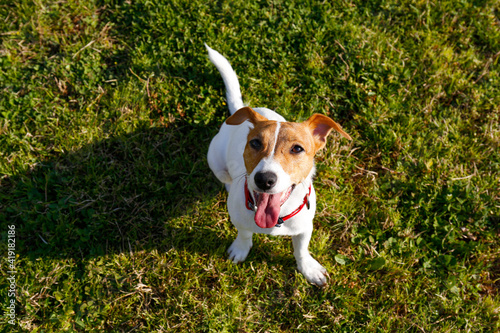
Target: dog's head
278, 156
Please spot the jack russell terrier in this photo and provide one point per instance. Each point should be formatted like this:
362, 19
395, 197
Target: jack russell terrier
267, 166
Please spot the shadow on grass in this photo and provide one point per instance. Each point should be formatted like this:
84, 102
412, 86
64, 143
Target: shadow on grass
140, 191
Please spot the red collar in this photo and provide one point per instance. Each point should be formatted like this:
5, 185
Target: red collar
250, 205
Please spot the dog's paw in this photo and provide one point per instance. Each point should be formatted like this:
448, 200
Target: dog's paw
238, 251
313, 271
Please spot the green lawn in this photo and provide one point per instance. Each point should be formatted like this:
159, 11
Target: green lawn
106, 112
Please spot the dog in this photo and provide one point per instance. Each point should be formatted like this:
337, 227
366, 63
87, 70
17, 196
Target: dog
267, 166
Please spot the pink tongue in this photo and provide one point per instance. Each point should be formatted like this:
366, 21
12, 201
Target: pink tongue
268, 210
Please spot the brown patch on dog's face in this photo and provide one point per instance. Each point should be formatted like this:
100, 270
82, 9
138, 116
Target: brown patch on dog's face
260, 143
295, 150
293, 147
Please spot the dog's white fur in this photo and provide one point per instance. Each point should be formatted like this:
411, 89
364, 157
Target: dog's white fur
225, 158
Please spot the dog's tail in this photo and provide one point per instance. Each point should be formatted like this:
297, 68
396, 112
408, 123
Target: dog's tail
233, 92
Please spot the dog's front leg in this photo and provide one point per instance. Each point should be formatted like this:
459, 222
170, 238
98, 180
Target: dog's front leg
307, 265
238, 251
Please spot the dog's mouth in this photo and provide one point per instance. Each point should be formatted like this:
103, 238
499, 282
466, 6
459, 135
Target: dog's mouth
268, 206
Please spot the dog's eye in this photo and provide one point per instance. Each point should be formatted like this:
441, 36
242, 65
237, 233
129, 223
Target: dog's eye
297, 149
255, 144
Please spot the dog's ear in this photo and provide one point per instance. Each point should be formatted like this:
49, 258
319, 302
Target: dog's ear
320, 126
243, 114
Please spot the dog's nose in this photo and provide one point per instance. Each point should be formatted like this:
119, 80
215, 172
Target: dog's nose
265, 180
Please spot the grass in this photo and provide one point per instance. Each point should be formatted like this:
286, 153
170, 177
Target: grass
106, 112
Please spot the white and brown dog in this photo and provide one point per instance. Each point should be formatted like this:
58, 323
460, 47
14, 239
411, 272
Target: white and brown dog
267, 165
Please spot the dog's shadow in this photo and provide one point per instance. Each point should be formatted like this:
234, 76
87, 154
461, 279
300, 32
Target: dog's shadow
139, 191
